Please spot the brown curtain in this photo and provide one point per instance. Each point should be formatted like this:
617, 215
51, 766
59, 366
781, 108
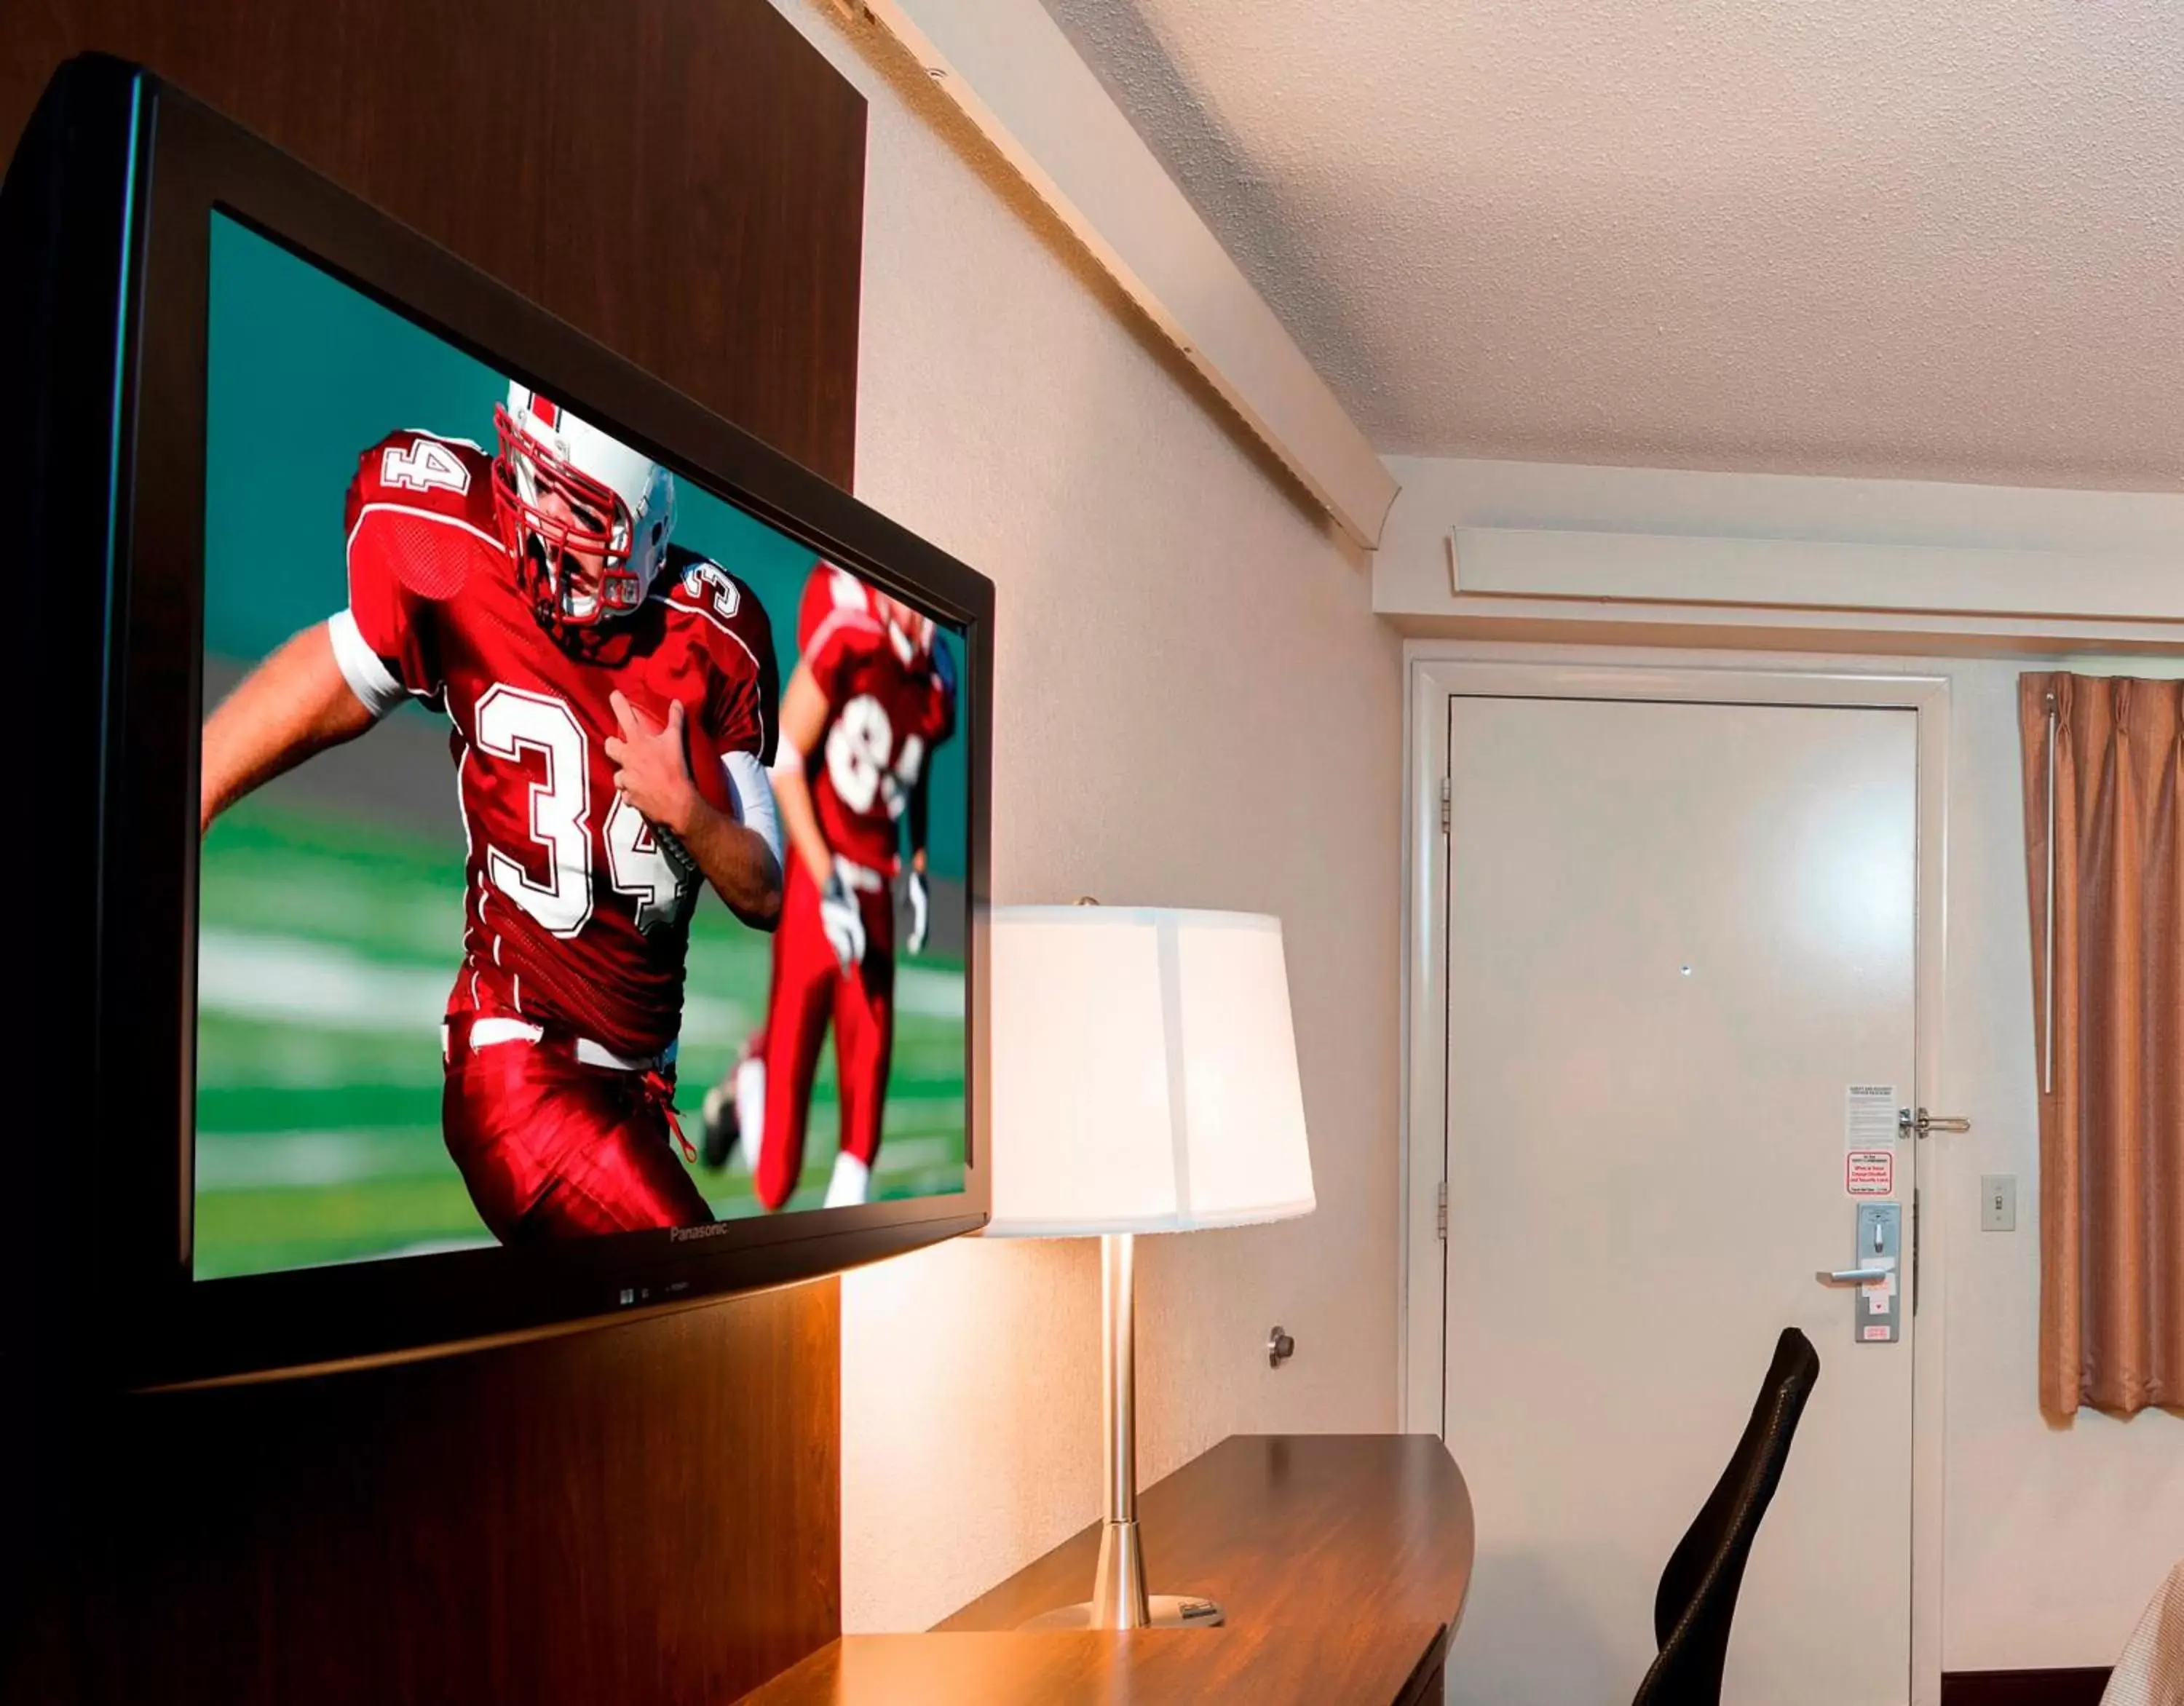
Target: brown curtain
2112, 1099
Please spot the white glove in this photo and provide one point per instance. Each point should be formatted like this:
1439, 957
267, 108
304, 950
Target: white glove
920, 911
842, 919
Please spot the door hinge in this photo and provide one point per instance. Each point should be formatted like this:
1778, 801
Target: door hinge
1445, 791
1441, 1213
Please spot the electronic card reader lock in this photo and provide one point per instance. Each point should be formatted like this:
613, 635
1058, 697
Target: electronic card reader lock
1877, 1303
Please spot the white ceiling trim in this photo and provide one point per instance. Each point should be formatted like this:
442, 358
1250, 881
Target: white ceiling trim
1810, 573
1621, 552
1015, 76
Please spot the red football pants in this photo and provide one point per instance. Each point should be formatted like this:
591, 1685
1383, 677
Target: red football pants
551, 1148
809, 988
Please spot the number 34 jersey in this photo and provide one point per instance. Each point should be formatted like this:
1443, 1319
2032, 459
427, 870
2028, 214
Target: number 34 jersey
888, 704
573, 914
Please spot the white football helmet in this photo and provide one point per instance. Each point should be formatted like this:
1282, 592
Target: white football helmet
619, 507
910, 630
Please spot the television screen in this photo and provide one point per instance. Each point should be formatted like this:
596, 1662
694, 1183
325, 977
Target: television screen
529, 834
582, 854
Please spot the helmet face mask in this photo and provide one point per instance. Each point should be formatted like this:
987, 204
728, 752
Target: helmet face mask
585, 517
910, 629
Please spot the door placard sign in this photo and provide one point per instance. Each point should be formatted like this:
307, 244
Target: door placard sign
1868, 1115
1869, 1173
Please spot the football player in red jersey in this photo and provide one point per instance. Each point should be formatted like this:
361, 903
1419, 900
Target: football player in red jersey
536, 598
871, 696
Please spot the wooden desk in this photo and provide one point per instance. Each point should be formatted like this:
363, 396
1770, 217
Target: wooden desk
1342, 1561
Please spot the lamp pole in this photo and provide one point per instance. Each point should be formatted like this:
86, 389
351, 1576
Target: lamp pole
1119, 1599
1118, 1592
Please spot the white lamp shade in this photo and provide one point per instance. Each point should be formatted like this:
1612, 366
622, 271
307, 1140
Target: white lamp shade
1144, 1072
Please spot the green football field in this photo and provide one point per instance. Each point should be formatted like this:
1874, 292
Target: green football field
326, 950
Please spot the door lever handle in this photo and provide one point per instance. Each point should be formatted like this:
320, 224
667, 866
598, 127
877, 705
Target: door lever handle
1852, 1276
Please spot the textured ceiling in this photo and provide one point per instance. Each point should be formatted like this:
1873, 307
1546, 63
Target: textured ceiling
1937, 238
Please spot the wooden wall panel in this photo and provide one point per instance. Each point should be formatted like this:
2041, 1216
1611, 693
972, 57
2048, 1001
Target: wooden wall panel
646, 1512
649, 1512
682, 179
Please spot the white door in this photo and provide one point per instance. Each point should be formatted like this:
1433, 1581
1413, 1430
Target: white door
1678, 934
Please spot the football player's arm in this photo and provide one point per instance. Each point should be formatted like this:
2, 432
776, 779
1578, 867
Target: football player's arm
919, 815
920, 807
920, 896
293, 704
654, 773
804, 709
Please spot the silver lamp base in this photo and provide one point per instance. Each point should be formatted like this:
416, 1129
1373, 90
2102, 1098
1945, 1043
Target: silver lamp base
1119, 1600
1162, 1611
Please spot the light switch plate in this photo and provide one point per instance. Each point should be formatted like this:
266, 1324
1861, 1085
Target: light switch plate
1997, 1201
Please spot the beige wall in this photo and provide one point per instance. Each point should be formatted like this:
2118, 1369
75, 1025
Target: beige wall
1194, 706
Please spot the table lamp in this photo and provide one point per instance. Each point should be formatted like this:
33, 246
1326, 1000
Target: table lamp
1145, 1079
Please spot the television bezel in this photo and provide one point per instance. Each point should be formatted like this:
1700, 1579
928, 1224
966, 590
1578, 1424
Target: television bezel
172, 1329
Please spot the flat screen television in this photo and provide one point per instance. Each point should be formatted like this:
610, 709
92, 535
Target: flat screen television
525, 839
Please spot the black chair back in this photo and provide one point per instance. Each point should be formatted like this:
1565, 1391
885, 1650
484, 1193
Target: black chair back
1697, 1598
